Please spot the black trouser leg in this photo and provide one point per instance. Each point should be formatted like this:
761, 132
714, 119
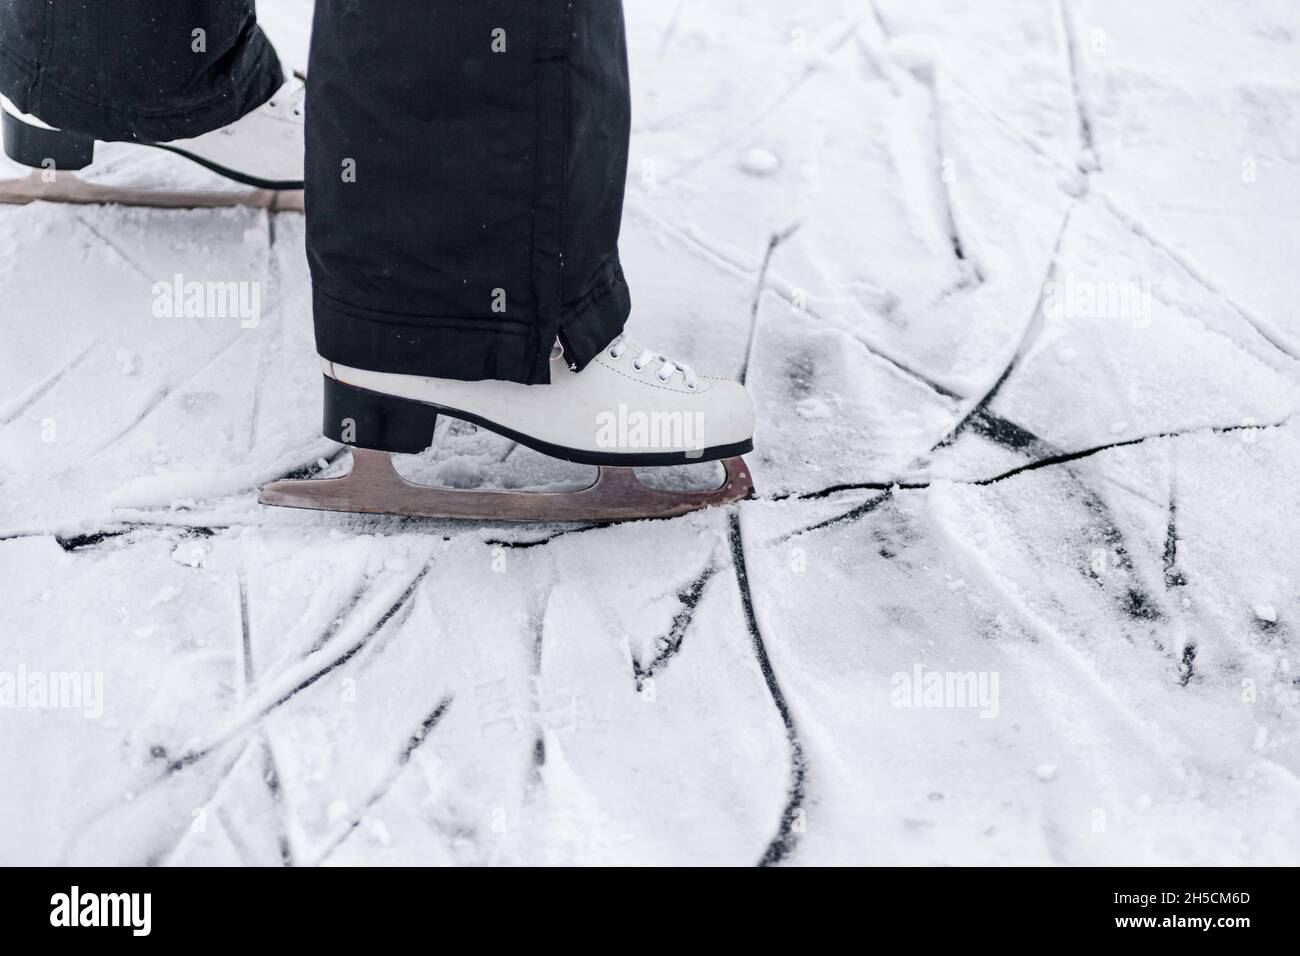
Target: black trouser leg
466, 162
151, 70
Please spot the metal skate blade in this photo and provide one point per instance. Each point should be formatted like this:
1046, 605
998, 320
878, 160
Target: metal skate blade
374, 487
67, 187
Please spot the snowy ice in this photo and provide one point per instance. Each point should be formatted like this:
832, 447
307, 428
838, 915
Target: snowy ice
1013, 284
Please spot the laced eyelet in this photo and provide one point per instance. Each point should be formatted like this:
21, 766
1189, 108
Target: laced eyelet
639, 368
663, 379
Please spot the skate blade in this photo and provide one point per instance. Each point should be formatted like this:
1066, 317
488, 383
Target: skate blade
374, 487
70, 188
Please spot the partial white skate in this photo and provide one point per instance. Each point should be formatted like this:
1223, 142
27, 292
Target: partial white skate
629, 407
262, 149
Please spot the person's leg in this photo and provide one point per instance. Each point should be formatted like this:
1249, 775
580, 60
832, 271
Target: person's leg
135, 69
466, 162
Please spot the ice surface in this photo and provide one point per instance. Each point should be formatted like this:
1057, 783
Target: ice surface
1012, 284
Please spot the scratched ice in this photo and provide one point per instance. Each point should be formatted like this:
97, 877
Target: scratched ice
1012, 284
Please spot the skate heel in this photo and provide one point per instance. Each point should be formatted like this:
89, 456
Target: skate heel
365, 419
37, 147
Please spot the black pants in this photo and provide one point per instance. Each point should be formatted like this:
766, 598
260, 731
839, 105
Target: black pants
466, 159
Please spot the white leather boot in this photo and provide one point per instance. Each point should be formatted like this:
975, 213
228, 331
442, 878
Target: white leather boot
263, 148
628, 406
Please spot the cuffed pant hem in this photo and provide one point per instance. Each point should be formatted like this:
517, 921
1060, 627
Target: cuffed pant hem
467, 349
597, 319
64, 105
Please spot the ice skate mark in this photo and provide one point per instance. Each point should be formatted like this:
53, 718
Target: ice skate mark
523, 545
1266, 626
271, 311
773, 241
340, 618
1266, 328
1033, 327
976, 277
689, 599
670, 30
535, 667
275, 274
172, 832
1134, 600
844, 487
161, 856
926, 75
872, 347
1138, 604
246, 643
879, 18
23, 403
1006, 127
538, 625
1057, 457
253, 717
908, 371
397, 613
744, 130
122, 254
1051, 460
1009, 435
237, 843
422, 734
690, 241
161, 394
1088, 161
919, 377
783, 843
255, 411
1189, 662
275, 790
853, 514
173, 765
1075, 186
877, 57
413, 743
798, 369
1079, 670
92, 539
1174, 578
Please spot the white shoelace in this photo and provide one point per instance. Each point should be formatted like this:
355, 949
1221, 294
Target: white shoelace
667, 368
290, 96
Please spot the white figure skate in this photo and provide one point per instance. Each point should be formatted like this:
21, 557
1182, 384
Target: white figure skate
629, 407
262, 149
